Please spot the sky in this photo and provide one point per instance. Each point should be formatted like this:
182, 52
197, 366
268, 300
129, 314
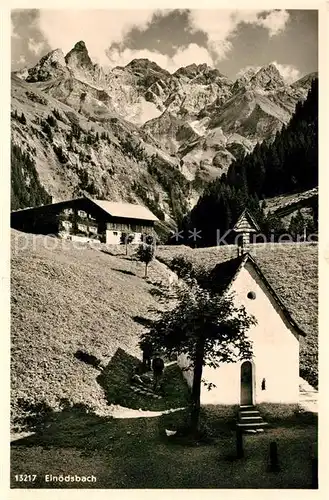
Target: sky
229, 40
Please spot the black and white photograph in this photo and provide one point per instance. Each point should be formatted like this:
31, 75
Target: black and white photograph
164, 172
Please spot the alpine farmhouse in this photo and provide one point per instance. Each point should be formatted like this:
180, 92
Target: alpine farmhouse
86, 219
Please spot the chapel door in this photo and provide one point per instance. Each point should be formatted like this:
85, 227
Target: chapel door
246, 383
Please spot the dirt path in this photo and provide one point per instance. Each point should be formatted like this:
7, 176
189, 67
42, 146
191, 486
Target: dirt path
308, 396
118, 411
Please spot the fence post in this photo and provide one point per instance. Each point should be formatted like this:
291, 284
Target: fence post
315, 479
239, 443
274, 461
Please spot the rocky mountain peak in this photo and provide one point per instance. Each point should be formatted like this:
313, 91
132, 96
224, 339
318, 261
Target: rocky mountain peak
193, 70
79, 56
268, 77
80, 46
201, 74
145, 65
55, 56
48, 66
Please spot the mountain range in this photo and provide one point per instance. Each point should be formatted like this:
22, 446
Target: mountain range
139, 133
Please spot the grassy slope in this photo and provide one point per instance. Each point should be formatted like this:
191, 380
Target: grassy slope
292, 271
68, 299
278, 202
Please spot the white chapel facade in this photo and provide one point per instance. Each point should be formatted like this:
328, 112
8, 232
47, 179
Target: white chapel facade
272, 376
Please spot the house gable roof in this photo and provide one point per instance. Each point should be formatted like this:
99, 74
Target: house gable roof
224, 274
125, 210
114, 209
249, 220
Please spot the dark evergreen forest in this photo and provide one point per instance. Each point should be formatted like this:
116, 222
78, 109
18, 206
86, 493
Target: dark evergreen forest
26, 190
286, 164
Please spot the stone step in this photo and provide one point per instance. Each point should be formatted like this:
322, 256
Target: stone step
246, 420
253, 431
249, 414
249, 417
249, 420
140, 390
251, 425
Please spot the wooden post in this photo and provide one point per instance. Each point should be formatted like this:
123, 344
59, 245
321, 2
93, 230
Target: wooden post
239, 443
274, 461
315, 480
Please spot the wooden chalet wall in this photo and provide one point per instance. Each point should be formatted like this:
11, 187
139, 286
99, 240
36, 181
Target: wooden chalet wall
76, 217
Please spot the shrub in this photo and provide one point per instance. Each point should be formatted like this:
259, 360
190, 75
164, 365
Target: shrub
51, 121
34, 415
145, 253
182, 266
126, 239
21, 119
149, 239
58, 115
60, 154
89, 359
47, 129
36, 98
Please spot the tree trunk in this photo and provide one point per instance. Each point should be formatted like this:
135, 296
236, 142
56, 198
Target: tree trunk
126, 247
146, 270
196, 387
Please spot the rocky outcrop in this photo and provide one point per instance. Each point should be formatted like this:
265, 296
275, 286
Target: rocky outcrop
267, 78
50, 66
78, 57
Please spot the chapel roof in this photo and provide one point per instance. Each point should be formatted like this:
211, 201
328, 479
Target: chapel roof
223, 275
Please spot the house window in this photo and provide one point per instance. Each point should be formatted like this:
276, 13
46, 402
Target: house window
82, 227
263, 384
67, 224
82, 214
117, 226
68, 211
115, 233
93, 229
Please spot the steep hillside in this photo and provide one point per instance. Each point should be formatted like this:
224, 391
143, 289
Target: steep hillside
65, 299
287, 206
106, 128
